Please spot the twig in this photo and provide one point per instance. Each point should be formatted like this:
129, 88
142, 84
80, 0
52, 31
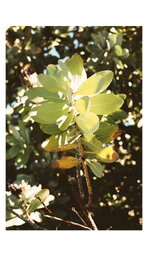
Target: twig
85, 170
83, 208
49, 211
67, 221
76, 212
79, 179
25, 220
92, 221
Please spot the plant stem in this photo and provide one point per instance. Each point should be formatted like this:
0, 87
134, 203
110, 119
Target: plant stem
79, 179
85, 170
67, 221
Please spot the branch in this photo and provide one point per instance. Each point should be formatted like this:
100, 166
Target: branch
85, 170
25, 220
79, 179
67, 221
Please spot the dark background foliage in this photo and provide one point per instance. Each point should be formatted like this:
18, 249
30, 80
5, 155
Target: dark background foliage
117, 197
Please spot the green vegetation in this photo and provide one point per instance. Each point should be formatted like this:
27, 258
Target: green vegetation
64, 122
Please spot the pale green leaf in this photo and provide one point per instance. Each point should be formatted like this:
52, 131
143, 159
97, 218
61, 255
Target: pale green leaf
96, 83
118, 50
39, 94
56, 143
69, 93
51, 84
75, 65
112, 39
95, 167
88, 122
35, 203
50, 112
43, 194
125, 53
103, 104
82, 105
94, 145
51, 129
65, 70
106, 132
66, 122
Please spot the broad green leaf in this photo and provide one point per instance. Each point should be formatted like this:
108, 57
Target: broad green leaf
73, 138
122, 96
55, 143
103, 104
69, 93
11, 140
119, 39
94, 145
67, 120
47, 200
66, 162
15, 132
75, 65
65, 69
107, 132
95, 167
51, 143
108, 155
51, 129
119, 115
22, 157
35, 203
43, 194
13, 152
118, 63
88, 122
51, 84
39, 94
25, 132
96, 83
82, 105
125, 53
112, 39
54, 71
118, 50
50, 112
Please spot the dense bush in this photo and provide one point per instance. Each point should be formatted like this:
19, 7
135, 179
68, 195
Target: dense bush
117, 197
